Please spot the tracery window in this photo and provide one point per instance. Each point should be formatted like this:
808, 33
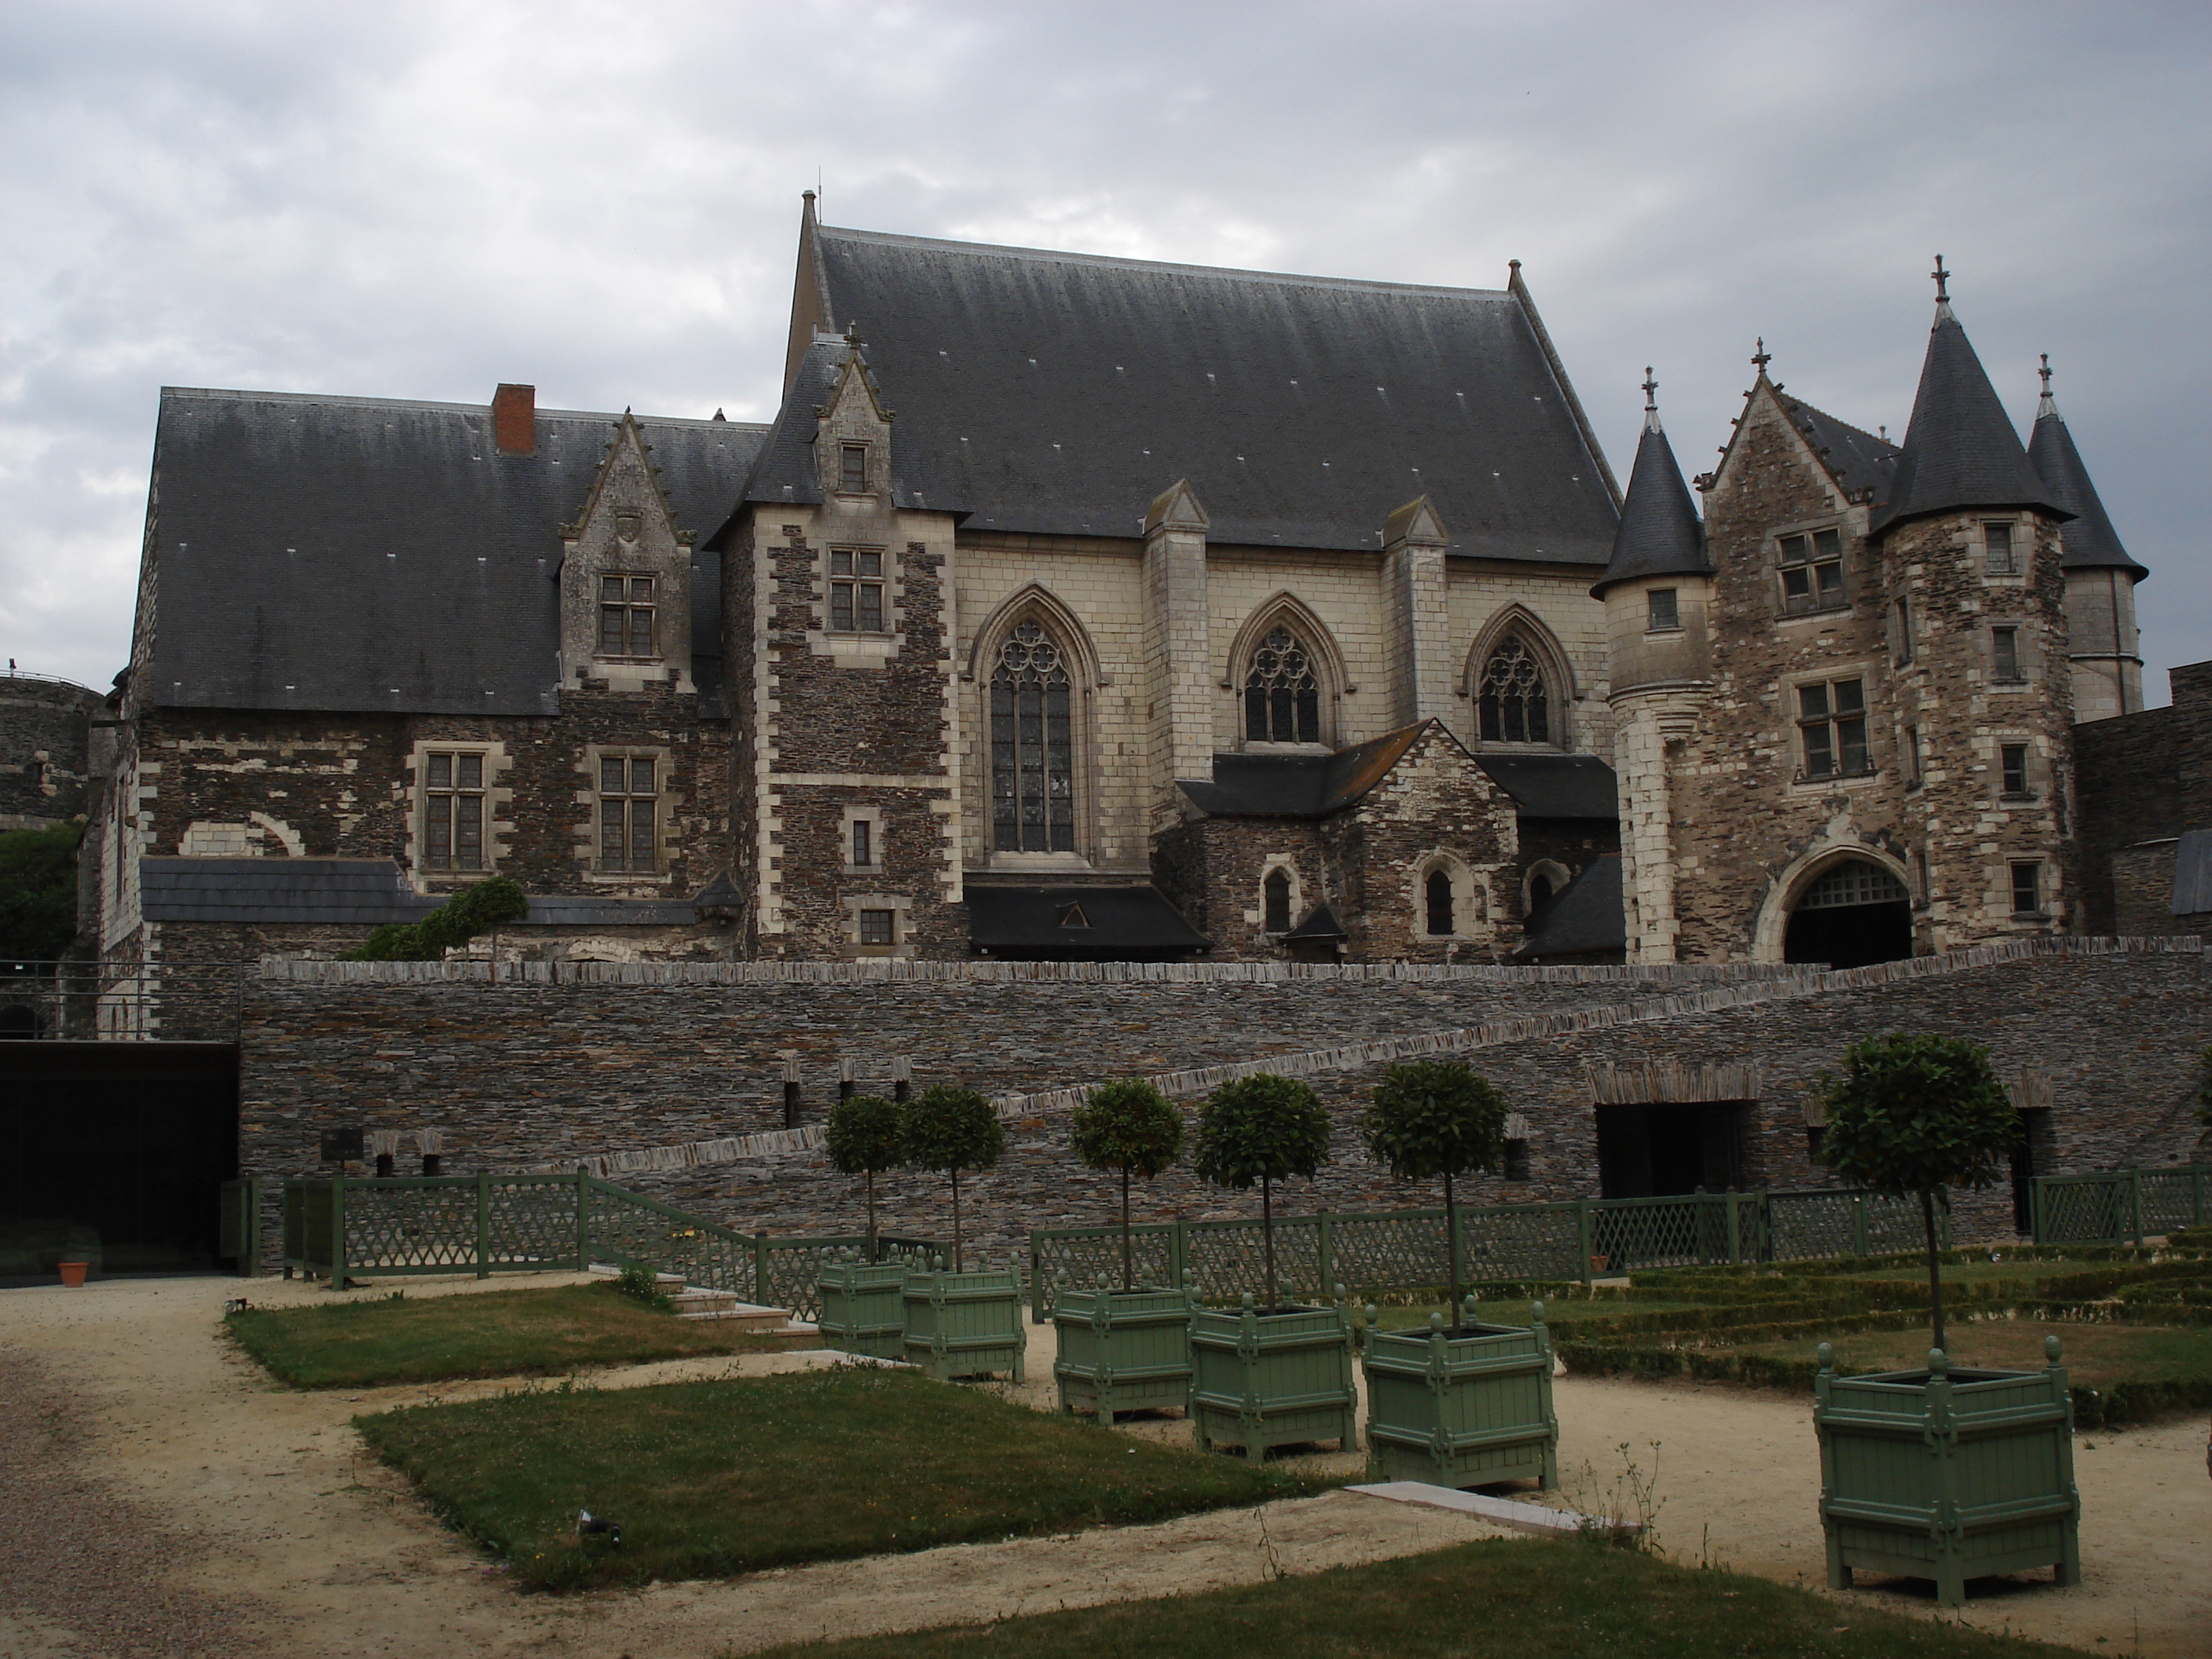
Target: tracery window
1515, 704
1032, 762
1282, 695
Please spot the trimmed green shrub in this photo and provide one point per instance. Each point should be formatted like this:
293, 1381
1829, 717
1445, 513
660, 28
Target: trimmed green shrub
1131, 1127
862, 1136
1261, 1129
1436, 1117
949, 1130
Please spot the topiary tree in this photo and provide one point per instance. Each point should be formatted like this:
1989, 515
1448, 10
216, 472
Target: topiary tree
863, 1135
1436, 1117
949, 1130
475, 909
1913, 1117
1127, 1126
1264, 1128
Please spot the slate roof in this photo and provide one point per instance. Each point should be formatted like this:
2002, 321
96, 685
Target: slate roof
1246, 785
1659, 533
2088, 539
1116, 923
786, 470
1320, 922
1863, 463
1960, 450
358, 554
1583, 917
1555, 785
357, 892
1058, 393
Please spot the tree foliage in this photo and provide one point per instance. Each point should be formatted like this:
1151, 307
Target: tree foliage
38, 892
1916, 1113
470, 913
950, 1130
1129, 1127
1436, 1117
865, 1135
1261, 1129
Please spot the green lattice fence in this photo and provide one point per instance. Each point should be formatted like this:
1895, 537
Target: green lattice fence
1517, 1243
1829, 1226
2120, 1207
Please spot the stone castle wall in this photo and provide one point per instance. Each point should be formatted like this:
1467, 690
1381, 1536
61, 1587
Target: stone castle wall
668, 1079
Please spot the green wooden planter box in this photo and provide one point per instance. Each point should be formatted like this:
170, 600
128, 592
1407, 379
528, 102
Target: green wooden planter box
1261, 1380
965, 1324
1468, 1406
863, 1308
1121, 1350
1948, 1474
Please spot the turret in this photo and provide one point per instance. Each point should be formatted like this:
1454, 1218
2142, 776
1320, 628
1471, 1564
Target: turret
1657, 589
2100, 577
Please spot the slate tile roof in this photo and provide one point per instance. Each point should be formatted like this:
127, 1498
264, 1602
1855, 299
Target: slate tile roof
1297, 786
1660, 533
2088, 539
1058, 393
1077, 924
350, 892
1960, 450
1583, 917
1863, 463
1555, 785
357, 554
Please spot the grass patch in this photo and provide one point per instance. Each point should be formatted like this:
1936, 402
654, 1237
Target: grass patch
2100, 1357
1564, 1600
364, 1345
713, 1478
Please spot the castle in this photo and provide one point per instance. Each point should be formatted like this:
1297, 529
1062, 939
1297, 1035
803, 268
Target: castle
1078, 608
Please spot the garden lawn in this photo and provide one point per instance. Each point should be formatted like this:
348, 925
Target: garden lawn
710, 1479
1562, 1600
361, 1344
2101, 1357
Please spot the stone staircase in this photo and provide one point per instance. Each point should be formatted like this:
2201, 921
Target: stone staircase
695, 1302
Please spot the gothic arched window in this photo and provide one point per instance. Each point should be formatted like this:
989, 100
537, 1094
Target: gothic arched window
1032, 761
1282, 695
1438, 890
1515, 705
1276, 890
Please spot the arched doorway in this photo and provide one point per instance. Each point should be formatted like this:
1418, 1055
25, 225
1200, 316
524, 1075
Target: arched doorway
1854, 913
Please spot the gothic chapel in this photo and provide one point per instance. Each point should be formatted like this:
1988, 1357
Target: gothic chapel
1083, 608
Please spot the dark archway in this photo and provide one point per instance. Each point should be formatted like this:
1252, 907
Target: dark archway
1854, 914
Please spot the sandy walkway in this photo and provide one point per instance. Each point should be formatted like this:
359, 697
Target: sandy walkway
283, 1526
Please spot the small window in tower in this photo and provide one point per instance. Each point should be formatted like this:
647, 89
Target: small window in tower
1904, 632
1437, 893
864, 841
1664, 615
879, 927
1831, 724
856, 589
2004, 654
1920, 869
1812, 571
1998, 555
853, 469
2012, 766
1276, 892
2026, 889
1913, 757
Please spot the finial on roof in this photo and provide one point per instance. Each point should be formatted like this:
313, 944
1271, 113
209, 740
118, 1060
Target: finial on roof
853, 333
1943, 278
1650, 401
806, 195
1760, 358
719, 415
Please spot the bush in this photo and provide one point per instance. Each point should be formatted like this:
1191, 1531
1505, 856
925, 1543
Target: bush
866, 1135
949, 1130
1436, 1117
38, 892
1130, 1126
641, 1284
1261, 1129
469, 913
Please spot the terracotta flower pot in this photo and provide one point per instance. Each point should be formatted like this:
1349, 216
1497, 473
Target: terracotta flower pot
73, 1273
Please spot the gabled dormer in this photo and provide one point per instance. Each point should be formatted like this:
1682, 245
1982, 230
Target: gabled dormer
853, 436
626, 579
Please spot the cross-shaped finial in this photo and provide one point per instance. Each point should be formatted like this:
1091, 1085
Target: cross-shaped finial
2045, 372
1760, 358
1941, 276
853, 333
1650, 388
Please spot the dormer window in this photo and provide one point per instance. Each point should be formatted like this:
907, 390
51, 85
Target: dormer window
856, 589
853, 469
1812, 571
626, 617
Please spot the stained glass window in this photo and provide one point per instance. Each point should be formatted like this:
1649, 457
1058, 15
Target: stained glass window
1282, 696
1515, 705
1032, 764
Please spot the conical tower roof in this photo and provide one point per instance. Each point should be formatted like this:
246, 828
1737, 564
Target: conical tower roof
2089, 540
1960, 451
1659, 534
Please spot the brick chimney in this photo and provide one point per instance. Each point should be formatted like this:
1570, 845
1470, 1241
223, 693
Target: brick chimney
514, 420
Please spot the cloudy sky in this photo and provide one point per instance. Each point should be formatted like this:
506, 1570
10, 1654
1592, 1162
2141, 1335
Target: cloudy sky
421, 200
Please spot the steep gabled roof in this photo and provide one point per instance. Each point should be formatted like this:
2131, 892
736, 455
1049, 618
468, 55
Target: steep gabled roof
360, 553
1960, 451
1057, 393
1862, 463
1659, 533
788, 469
1247, 786
2089, 539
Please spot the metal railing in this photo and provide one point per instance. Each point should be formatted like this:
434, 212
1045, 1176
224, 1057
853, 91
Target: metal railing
2121, 1206
389, 1227
1396, 1250
104, 1002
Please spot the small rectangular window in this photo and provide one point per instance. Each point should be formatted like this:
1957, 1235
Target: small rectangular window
2004, 653
878, 928
1664, 612
1812, 571
864, 841
1997, 549
853, 469
629, 812
627, 615
2026, 889
856, 590
1920, 868
453, 812
1911, 754
2012, 765
1904, 632
1831, 725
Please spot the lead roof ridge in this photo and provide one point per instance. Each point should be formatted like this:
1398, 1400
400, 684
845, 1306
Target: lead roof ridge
345, 401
